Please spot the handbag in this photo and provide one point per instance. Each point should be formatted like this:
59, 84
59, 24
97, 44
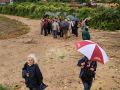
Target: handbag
42, 86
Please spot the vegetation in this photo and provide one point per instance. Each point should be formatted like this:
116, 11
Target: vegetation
107, 19
11, 28
3, 88
101, 18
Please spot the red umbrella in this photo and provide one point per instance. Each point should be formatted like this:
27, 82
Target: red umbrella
92, 51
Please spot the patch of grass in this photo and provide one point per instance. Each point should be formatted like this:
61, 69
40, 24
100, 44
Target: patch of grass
62, 57
3, 88
11, 28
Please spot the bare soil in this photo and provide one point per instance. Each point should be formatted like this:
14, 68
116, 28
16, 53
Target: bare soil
58, 59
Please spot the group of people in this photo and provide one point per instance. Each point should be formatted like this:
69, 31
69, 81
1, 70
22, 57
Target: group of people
31, 72
59, 27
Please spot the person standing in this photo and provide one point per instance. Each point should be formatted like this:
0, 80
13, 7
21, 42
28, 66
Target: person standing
61, 27
49, 26
84, 24
55, 28
72, 26
45, 27
76, 28
87, 73
32, 74
42, 26
85, 34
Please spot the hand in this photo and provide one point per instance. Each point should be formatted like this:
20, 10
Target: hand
27, 75
82, 64
92, 69
88, 65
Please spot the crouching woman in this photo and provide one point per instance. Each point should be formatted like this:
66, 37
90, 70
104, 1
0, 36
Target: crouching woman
31, 73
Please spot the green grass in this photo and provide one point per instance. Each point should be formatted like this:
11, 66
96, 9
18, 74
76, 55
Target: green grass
11, 28
3, 88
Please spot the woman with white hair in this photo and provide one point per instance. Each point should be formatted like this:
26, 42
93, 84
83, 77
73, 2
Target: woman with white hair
32, 74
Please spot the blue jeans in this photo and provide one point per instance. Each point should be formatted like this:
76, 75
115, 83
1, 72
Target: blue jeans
87, 84
55, 33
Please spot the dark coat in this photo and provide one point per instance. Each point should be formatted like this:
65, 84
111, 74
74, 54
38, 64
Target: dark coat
85, 35
86, 73
35, 77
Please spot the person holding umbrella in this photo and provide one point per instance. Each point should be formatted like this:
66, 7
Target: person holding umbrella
84, 23
87, 72
92, 53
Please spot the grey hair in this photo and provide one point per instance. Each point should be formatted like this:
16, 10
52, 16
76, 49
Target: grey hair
33, 56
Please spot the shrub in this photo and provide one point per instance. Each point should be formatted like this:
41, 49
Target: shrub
85, 12
108, 19
101, 18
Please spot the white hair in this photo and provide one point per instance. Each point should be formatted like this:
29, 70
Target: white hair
33, 56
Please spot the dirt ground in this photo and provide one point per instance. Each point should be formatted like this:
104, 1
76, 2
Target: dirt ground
58, 59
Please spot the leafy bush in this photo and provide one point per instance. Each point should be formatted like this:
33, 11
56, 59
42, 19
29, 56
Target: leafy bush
101, 18
34, 10
85, 12
108, 19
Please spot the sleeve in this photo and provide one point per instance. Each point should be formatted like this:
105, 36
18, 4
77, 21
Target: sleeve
81, 61
24, 71
39, 75
94, 65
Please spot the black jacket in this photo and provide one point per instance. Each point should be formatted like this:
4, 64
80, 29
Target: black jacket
35, 77
85, 72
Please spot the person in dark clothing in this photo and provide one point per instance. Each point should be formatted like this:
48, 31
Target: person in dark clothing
45, 27
76, 28
85, 34
61, 27
32, 74
87, 72
49, 26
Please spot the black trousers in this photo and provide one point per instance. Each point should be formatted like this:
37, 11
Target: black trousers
61, 32
45, 31
76, 31
33, 89
49, 30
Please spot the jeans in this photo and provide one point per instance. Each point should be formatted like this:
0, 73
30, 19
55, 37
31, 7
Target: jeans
55, 33
45, 31
87, 84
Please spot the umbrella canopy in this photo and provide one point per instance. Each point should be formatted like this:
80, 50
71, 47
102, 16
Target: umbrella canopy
92, 51
64, 24
85, 20
70, 17
75, 19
